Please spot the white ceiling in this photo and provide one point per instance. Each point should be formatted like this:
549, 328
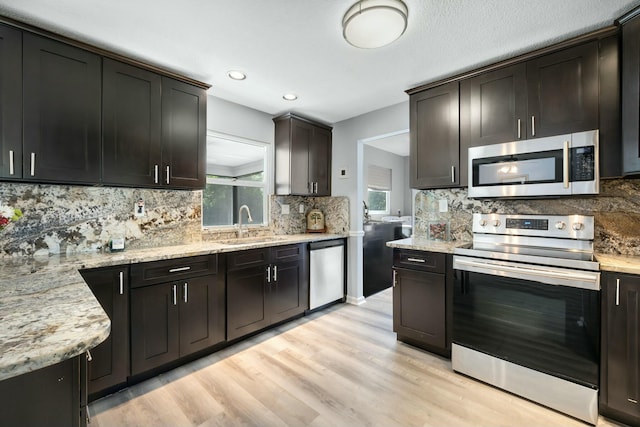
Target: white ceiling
297, 45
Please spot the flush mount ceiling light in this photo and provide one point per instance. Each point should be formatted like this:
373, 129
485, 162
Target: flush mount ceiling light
290, 96
369, 24
236, 75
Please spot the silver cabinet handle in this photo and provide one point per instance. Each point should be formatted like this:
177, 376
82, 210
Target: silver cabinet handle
185, 289
519, 129
533, 125
416, 260
121, 282
275, 273
11, 168
315, 188
179, 269
395, 278
565, 164
167, 174
89, 357
453, 174
175, 294
268, 274
33, 164
617, 291
155, 172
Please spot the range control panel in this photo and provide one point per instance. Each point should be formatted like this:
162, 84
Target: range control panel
562, 226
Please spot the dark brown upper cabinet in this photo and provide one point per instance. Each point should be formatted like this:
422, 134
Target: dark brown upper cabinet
10, 102
303, 157
631, 93
184, 126
435, 137
62, 112
131, 150
563, 91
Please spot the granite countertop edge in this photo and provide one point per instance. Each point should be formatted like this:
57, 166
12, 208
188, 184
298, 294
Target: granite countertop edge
629, 264
418, 244
48, 313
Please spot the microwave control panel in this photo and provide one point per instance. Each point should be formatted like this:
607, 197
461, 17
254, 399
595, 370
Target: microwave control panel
583, 163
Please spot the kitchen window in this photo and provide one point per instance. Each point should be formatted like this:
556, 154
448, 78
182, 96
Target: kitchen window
237, 171
379, 190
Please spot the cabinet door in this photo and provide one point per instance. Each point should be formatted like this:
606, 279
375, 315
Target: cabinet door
184, 115
131, 125
110, 359
434, 137
246, 311
202, 313
631, 97
301, 140
497, 106
623, 339
46, 397
62, 108
287, 293
419, 307
10, 102
154, 327
563, 91
320, 162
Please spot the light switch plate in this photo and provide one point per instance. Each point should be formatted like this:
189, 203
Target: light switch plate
443, 207
301, 208
284, 209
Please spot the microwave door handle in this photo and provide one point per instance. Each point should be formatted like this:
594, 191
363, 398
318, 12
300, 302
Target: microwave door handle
565, 164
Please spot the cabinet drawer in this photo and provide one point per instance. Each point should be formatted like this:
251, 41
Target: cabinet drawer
433, 262
248, 258
149, 273
287, 253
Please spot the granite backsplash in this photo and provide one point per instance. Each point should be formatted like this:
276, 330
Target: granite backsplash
62, 219
616, 211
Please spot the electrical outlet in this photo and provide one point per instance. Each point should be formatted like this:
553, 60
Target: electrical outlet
284, 209
301, 208
138, 208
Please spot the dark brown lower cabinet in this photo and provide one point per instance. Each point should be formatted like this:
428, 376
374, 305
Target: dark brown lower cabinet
620, 366
421, 300
52, 396
109, 365
264, 287
176, 319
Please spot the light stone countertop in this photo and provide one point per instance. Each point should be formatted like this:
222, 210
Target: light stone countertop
418, 244
48, 313
619, 263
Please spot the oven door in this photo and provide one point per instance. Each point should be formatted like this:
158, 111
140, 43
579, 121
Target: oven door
534, 316
553, 166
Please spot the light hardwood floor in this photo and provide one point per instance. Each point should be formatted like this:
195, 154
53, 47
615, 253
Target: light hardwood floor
340, 367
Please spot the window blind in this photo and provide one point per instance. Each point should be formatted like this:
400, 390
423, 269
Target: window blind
378, 178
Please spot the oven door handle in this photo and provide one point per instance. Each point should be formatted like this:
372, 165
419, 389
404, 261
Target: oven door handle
573, 278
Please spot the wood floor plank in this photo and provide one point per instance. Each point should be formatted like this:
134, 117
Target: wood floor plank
339, 367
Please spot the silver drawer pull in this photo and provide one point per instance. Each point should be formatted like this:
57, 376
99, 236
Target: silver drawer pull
155, 170
416, 260
33, 164
632, 400
11, 166
617, 291
176, 270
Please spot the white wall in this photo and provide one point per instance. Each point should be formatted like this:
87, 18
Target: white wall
377, 157
346, 137
238, 120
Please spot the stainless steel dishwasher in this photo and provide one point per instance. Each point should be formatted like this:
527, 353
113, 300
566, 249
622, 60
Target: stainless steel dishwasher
326, 272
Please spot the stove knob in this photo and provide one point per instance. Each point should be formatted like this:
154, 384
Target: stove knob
483, 222
560, 225
496, 223
578, 226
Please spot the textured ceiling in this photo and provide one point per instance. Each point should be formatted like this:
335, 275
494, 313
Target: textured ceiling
297, 45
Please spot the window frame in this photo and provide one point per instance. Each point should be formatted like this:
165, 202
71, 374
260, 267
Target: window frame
387, 202
266, 184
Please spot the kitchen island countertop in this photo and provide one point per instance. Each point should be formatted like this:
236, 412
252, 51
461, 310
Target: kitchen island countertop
48, 313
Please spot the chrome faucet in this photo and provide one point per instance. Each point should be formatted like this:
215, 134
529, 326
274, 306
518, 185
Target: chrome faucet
240, 219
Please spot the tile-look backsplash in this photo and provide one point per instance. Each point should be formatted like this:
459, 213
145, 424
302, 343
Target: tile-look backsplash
62, 219
616, 211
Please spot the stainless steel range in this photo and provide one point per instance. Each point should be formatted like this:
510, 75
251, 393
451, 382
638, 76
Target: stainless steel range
527, 309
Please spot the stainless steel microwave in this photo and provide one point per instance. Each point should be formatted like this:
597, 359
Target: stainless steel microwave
562, 165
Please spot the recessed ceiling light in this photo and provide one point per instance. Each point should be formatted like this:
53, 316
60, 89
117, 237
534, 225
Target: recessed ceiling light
236, 75
290, 96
